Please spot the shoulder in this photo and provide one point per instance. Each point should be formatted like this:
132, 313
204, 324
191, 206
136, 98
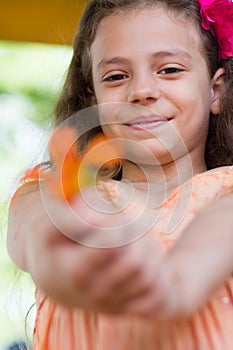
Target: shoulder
225, 170
211, 185
221, 177
203, 188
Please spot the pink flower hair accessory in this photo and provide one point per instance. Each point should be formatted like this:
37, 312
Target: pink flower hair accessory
218, 15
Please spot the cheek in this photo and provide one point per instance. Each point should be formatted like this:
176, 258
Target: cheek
199, 103
102, 96
109, 114
97, 87
193, 98
107, 95
112, 131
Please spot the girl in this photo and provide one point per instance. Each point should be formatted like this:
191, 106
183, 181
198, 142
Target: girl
164, 68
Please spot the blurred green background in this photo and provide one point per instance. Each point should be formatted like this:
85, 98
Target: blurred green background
31, 76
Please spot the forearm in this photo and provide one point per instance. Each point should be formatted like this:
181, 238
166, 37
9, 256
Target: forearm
203, 258
33, 241
58, 265
25, 212
68, 272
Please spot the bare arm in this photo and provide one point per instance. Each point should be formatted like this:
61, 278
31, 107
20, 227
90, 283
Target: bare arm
151, 284
24, 214
203, 258
65, 270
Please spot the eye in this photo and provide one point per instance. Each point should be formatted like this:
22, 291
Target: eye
115, 77
170, 71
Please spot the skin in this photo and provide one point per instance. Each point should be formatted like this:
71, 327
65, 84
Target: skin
151, 284
154, 63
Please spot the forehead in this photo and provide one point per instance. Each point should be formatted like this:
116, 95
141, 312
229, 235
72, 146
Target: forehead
142, 28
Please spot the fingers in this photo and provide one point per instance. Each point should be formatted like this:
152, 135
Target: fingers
129, 279
73, 219
121, 280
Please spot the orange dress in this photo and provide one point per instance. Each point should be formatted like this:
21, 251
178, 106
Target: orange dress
211, 328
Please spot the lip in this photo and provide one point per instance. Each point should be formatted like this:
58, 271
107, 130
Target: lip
147, 122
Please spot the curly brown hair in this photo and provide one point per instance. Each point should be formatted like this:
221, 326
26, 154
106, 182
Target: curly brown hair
78, 88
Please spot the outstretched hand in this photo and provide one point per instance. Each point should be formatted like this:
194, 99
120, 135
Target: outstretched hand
129, 277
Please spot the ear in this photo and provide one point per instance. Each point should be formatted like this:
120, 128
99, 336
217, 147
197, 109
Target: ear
217, 85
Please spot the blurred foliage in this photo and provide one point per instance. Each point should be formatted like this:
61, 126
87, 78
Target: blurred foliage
35, 71
31, 77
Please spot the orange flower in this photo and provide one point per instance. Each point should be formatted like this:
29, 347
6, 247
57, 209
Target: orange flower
31, 175
62, 179
101, 152
70, 170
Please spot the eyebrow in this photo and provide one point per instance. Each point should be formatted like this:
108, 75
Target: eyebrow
157, 55
114, 60
176, 53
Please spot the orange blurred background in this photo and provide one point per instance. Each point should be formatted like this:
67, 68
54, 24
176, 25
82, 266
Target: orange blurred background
46, 21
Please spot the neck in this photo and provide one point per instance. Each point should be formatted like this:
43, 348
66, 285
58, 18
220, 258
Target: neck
173, 173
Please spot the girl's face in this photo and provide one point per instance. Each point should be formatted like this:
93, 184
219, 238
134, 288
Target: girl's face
151, 66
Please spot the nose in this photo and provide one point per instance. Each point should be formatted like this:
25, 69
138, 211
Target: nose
143, 89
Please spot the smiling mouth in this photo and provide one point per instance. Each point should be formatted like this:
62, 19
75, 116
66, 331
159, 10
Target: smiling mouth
147, 123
